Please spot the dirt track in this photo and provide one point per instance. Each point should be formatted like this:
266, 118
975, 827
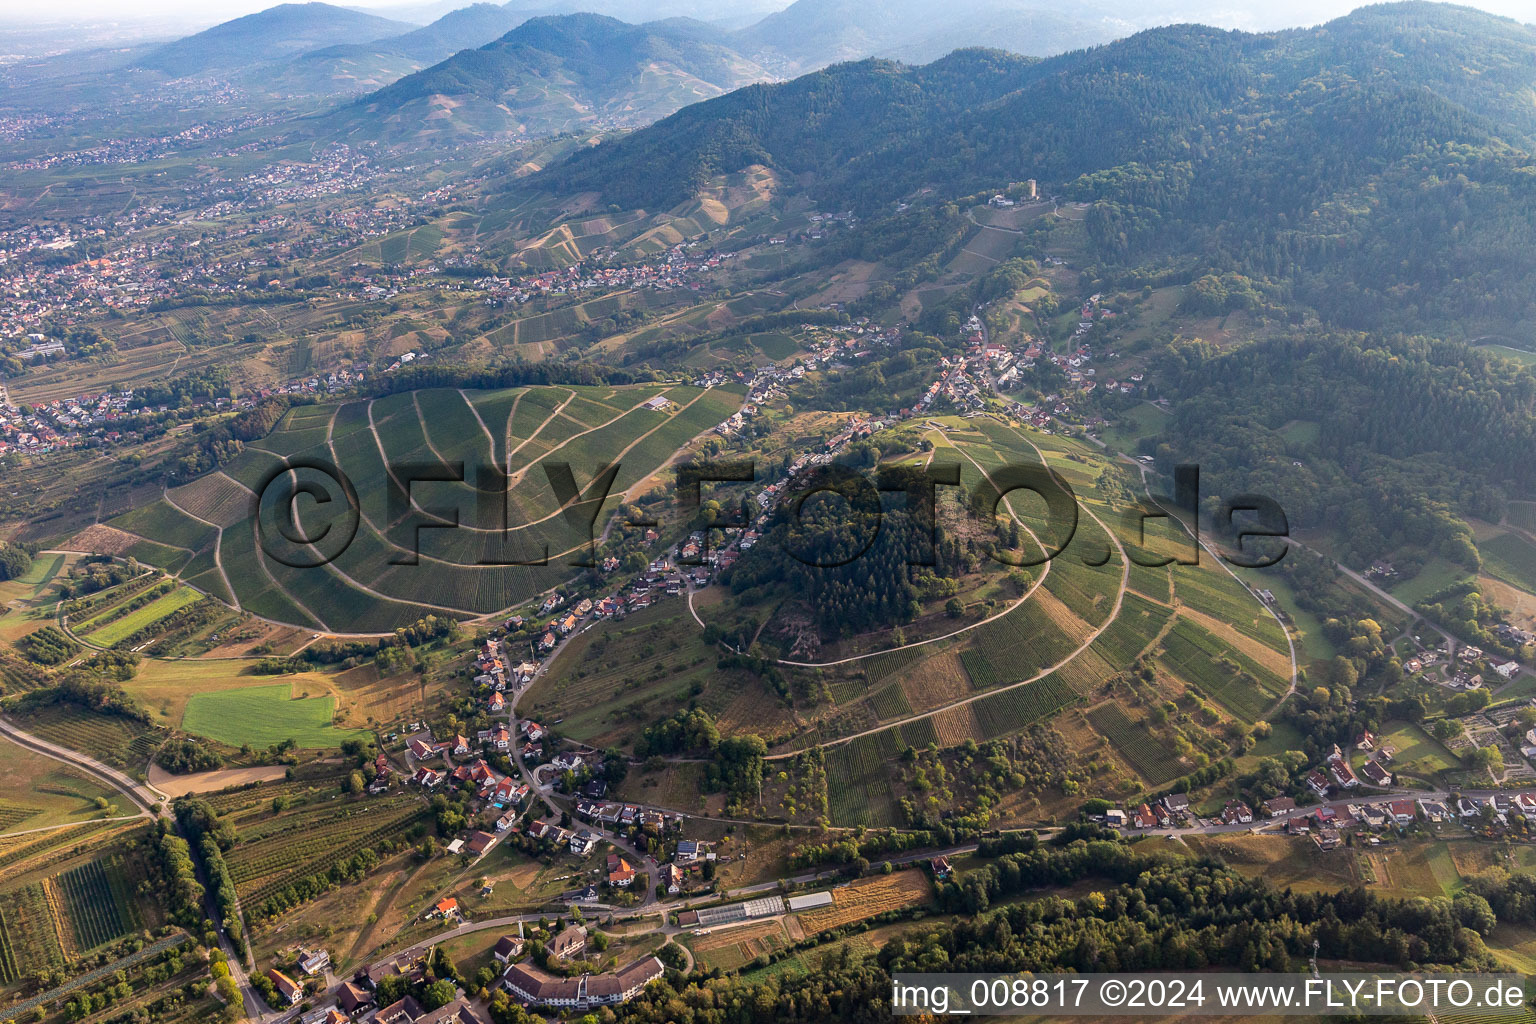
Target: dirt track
210, 782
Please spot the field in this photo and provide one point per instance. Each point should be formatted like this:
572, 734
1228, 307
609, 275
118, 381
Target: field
729, 949
1418, 754
166, 685
867, 898
398, 567
1219, 670
1287, 862
1511, 558
264, 715
123, 743
615, 678
68, 892
859, 781
96, 908
28, 939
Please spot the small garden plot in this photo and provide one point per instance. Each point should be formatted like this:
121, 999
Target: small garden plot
728, 949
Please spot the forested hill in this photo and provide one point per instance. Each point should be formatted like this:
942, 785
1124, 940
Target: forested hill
551, 73
282, 31
1411, 434
1376, 166
1182, 92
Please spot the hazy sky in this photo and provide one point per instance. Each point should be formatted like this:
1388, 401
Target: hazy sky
206, 12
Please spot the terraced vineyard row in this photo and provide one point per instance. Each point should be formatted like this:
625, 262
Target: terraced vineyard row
1133, 630
1014, 647
473, 570
263, 872
1143, 751
1002, 713
1220, 670
859, 781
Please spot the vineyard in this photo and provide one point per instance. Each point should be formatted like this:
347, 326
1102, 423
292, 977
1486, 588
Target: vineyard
513, 428
94, 906
307, 844
1141, 750
120, 742
18, 676
1016, 646
867, 898
1012, 710
1220, 671
20, 849
1216, 593
12, 815
1089, 590
27, 933
859, 781
1138, 623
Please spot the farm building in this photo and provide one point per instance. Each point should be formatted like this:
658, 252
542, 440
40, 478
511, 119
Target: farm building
807, 901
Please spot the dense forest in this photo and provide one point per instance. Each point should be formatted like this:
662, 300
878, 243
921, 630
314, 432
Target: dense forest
1411, 434
856, 559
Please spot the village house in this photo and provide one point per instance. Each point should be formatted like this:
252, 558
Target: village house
1279, 805
352, 998
313, 962
620, 873
1236, 812
1374, 773
286, 987
508, 948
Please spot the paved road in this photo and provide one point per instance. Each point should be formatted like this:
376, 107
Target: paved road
644, 864
143, 797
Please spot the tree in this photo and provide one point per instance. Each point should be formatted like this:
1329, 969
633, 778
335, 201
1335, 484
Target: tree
437, 994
